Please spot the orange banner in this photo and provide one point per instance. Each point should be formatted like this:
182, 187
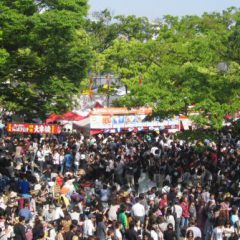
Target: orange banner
33, 128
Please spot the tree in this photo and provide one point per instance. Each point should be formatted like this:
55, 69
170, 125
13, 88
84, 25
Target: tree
133, 27
47, 53
180, 67
234, 40
102, 30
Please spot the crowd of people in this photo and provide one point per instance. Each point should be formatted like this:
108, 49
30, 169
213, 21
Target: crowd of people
120, 186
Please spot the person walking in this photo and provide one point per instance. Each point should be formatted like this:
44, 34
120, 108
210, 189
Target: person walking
19, 229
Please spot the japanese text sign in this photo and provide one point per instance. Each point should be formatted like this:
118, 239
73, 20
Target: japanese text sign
33, 128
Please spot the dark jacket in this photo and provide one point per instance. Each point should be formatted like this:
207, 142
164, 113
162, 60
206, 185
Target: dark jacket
131, 234
101, 231
170, 235
19, 231
38, 231
68, 235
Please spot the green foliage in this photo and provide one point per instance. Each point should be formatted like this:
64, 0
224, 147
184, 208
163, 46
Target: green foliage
179, 59
45, 53
47, 48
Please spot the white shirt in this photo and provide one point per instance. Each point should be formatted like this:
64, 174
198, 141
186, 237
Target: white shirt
166, 189
46, 151
33, 204
56, 158
154, 235
138, 210
217, 233
2, 204
3, 236
170, 219
77, 158
104, 195
40, 155
110, 166
88, 228
153, 151
118, 234
9, 231
58, 213
69, 185
2, 225
61, 158
75, 216
178, 210
80, 206
205, 196
52, 234
196, 231
112, 213
77, 145
37, 186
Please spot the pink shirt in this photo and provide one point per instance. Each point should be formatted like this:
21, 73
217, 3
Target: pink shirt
185, 209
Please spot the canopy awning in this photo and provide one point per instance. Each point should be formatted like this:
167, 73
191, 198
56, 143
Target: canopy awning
69, 116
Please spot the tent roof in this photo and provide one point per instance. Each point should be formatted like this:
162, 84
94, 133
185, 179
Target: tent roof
69, 116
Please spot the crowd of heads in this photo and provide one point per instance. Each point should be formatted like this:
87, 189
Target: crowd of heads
120, 186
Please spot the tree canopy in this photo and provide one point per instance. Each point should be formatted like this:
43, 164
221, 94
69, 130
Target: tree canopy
45, 53
48, 48
189, 61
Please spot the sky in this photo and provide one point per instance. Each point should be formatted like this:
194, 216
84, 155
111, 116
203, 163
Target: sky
154, 9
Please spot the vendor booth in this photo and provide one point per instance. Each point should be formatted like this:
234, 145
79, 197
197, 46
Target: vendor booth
112, 120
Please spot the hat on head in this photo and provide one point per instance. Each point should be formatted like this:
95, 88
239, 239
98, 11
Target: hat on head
13, 195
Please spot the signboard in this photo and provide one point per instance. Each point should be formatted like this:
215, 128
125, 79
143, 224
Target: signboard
129, 121
33, 128
100, 122
121, 111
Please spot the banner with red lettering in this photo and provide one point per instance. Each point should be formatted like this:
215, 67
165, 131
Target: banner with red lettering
32, 128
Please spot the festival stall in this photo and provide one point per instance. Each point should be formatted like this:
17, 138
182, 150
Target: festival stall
67, 120
112, 120
69, 116
185, 123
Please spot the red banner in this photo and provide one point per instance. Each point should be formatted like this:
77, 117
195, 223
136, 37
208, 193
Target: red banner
33, 128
